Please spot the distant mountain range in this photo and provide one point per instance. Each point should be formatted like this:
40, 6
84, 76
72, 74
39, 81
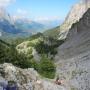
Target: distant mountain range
21, 27
28, 26
7, 26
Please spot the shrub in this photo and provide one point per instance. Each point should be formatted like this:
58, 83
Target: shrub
43, 48
30, 44
47, 68
9, 54
34, 64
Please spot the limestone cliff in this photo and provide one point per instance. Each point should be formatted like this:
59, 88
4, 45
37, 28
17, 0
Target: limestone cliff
73, 57
74, 15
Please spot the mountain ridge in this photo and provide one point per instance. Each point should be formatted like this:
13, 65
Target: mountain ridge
74, 16
73, 56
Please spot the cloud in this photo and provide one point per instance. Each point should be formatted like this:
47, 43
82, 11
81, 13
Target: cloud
20, 13
4, 3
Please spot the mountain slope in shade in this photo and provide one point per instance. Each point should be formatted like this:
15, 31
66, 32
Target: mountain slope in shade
74, 15
73, 58
6, 23
7, 27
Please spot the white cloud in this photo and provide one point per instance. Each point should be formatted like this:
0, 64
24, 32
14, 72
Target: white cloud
4, 3
22, 12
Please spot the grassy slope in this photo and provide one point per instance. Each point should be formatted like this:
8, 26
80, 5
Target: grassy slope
53, 32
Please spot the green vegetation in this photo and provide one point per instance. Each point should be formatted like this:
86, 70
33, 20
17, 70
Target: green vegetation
54, 33
17, 41
48, 48
9, 54
45, 48
44, 45
35, 36
47, 67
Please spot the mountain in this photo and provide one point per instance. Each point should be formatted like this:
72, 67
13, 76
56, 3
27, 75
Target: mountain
3, 43
35, 26
74, 15
16, 74
7, 27
54, 32
19, 28
29, 26
49, 24
73, 56
11, 27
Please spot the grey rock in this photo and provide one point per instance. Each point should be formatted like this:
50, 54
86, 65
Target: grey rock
73, 58
27, 79
75, 14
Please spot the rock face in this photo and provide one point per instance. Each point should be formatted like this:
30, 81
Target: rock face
26, 79
73, 57
74, 15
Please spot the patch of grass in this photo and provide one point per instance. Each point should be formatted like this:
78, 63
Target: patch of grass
49, 75
47, 68
54, 33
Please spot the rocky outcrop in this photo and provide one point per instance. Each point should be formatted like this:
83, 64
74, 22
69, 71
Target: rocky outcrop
74, 15
73, 57
26, 79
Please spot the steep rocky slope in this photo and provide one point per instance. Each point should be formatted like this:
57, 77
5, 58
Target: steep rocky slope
26, 79
74, 15
73, 57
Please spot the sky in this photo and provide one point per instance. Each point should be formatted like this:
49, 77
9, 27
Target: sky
38, 9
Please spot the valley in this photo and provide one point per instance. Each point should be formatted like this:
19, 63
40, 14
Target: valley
39, 56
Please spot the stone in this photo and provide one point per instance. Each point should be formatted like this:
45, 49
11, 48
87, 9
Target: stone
27, 79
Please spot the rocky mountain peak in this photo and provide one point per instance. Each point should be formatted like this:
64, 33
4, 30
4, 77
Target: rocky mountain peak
74, 15
4, 14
